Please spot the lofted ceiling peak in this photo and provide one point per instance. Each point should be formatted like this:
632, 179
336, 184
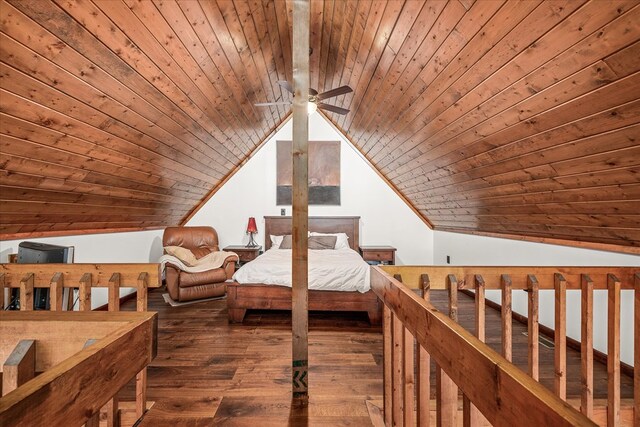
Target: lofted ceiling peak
497, 117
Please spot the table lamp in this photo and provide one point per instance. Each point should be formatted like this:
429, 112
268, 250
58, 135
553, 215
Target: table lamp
252, 228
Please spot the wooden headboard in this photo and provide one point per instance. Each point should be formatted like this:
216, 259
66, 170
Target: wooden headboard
281, 225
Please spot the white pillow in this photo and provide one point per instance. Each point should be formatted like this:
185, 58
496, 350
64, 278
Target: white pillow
342, 240
276, 241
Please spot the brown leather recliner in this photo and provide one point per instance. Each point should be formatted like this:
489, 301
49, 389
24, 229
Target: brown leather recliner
201, 241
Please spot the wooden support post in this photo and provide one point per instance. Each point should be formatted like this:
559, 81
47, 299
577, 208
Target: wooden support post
613, 351
19, 367
300, 197
636, 339
398, 371
2, 281
387, 345
84, 292
423, 361
55, 292
114, 292
560, 336
507, 322
586, 346
446, 389
26, 292
533, 327
141, 377
471, 415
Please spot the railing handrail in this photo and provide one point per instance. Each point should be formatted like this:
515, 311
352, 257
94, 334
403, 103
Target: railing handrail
518, 274
501, 391
12, 274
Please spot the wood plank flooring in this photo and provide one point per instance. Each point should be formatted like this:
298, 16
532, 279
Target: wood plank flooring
208, 372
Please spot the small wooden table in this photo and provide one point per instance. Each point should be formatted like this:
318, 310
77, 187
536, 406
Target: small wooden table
244, 253
383, 254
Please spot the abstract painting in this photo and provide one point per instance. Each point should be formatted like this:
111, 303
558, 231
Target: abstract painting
324, 173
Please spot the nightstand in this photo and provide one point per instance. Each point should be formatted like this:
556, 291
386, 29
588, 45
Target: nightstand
381, 254
244, 253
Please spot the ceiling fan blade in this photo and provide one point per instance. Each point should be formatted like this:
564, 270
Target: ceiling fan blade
285, 84
267, 104
312, 91
334, 92
333, 108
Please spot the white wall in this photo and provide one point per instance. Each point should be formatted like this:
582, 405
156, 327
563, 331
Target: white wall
131, 247
385, 218
467, 249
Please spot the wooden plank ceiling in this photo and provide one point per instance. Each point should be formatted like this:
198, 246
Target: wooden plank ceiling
508, 117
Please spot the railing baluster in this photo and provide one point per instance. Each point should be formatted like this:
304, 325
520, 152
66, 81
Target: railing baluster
55, 292
2, 285
388, 366
94, 421
533, 327
409, 390
26, 292
471, 415
398, 341
636, 370
141, 378
84, 292
446, 389
586, 346
560, 286
114, 292
613, 351
505, 284
423, 386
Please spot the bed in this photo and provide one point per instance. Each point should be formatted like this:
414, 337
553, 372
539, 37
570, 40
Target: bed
269, 296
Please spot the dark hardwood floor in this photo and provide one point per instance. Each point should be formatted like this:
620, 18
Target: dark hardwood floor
208, 372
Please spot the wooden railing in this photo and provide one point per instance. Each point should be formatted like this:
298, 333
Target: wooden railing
493, 389
86, 358
83, 278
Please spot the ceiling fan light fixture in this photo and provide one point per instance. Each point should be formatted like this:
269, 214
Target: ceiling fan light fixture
312, 107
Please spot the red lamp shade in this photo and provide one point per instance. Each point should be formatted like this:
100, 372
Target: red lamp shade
251, 226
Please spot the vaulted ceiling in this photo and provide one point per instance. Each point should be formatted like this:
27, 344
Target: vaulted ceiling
511, 117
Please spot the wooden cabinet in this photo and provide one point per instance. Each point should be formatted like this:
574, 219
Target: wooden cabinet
244, 253
381, 254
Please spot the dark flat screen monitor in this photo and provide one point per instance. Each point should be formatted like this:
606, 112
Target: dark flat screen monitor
39, 253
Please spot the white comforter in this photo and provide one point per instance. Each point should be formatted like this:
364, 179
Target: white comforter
329, 270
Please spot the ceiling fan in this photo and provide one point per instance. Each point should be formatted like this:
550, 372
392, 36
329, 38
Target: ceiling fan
314, 98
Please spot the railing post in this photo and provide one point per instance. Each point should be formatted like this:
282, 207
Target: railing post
26, 292
506, 313
446, 389
613, 351
387, 337
55, 292
533, 328
19, 367
423, 360
560, 286
586, 346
